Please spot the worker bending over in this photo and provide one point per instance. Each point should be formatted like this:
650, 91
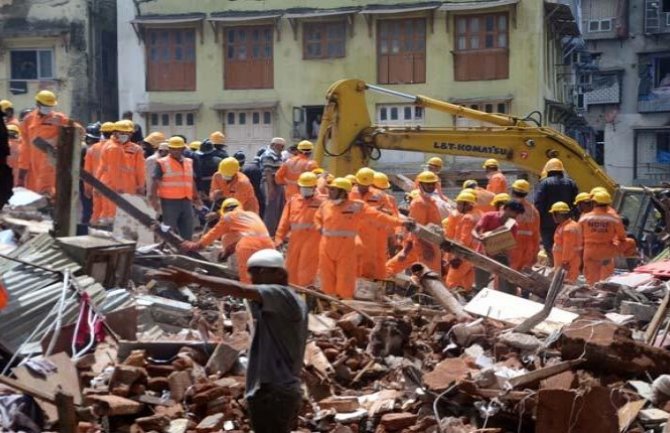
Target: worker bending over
461, 274
297, 221
568, 242
241, 232
340, 221
484, 196
229, 182
174, 185
273, 391
37, 170
524, 254
297, 164
604, 235
497, 181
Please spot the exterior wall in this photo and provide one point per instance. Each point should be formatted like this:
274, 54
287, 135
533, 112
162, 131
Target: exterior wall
64, 26
618, 121
299, 82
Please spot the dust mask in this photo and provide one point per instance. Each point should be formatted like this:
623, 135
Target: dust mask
306, 191
123, 138
45, 110
227, 178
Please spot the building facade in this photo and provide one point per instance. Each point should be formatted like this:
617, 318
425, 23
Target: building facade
260, 69
628, 97
66, 46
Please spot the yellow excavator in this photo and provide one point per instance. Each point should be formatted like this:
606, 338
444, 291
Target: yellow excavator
348, 138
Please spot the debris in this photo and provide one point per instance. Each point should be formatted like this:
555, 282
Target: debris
398, 421
113, 405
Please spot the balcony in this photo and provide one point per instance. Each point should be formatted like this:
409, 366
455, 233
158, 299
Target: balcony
656, 16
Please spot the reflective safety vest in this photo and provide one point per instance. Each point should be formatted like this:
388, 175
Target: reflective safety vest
177, 180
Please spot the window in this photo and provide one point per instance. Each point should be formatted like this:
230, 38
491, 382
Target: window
482, 47
498, 107
32, 64
170, 57
399, 115
662, 76
248, 58
182, 123
248, 130
666, 6
324, 40
600, 25
401, 51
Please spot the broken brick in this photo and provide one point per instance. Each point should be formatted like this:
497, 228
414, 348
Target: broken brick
447, 372
154, 422
210, 423
113, 405
179, 382
398, 421
340, 404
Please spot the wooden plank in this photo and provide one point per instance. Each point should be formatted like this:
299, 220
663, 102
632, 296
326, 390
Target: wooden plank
652, 329
67, 417
67, 182
29, 390
543, 373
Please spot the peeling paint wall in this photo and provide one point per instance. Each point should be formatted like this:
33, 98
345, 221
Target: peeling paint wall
70, 29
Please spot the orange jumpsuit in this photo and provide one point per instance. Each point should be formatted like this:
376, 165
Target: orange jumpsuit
340, 225
238, 187
246, 231
497, 183
41, 176
568, 245
438, 188
464, 275
373, 248
603, 235
484, 199
121, 169
91, 165
424, 211
291, 170
524, 254
298, 220
629, 248
322, 186
13, 158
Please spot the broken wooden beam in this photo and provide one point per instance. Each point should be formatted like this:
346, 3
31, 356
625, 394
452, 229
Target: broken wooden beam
539, 317
67, 416
543, 373
661, 312
33, 392
536, 284
432, 284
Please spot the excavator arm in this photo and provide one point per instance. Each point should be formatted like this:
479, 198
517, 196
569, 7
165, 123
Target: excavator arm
347, 138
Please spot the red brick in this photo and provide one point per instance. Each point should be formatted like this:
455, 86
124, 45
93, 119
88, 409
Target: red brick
398, 421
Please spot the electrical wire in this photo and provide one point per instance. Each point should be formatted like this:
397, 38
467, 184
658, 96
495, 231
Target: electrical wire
437, 399
59, 314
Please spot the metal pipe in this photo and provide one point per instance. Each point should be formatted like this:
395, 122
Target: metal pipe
391, 92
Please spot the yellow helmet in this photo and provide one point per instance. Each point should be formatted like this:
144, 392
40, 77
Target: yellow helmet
559, 207
466, 196
5, 104
195, 145
365, 176
602, 197
470, 183
381, 181
413, 194
427, 177
229, 166
341, 183
124, 126
107, 127
318, 171
305, 145
491, 163
554, 164
217, 137
229, 205
176, 142
599, 189
307, 180
500, 198
13, 128
582, 196
154, 139
521, 185
47, 98
437, 162
543, 175
351, 178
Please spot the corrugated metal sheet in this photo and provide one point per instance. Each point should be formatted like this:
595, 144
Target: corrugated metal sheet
34, 292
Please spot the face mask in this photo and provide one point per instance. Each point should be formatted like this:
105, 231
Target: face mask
306, 191
123, 138
45, 110
227, 178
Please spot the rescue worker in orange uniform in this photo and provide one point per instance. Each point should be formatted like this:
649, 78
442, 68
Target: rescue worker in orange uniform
297, 164
568, 242
121, 167
524, 254
610, 209
424, 210
583, 204
229, 182
497, 181
322, 180
92, 165
7, 107
340, 220
242, 232
434, 165
373, 248
484, 196
37, 170
297, 221
381, 182
14, 136
461, 273
174, 185
603, 236
408, 253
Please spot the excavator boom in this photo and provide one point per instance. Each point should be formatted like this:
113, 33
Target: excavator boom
347, 137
